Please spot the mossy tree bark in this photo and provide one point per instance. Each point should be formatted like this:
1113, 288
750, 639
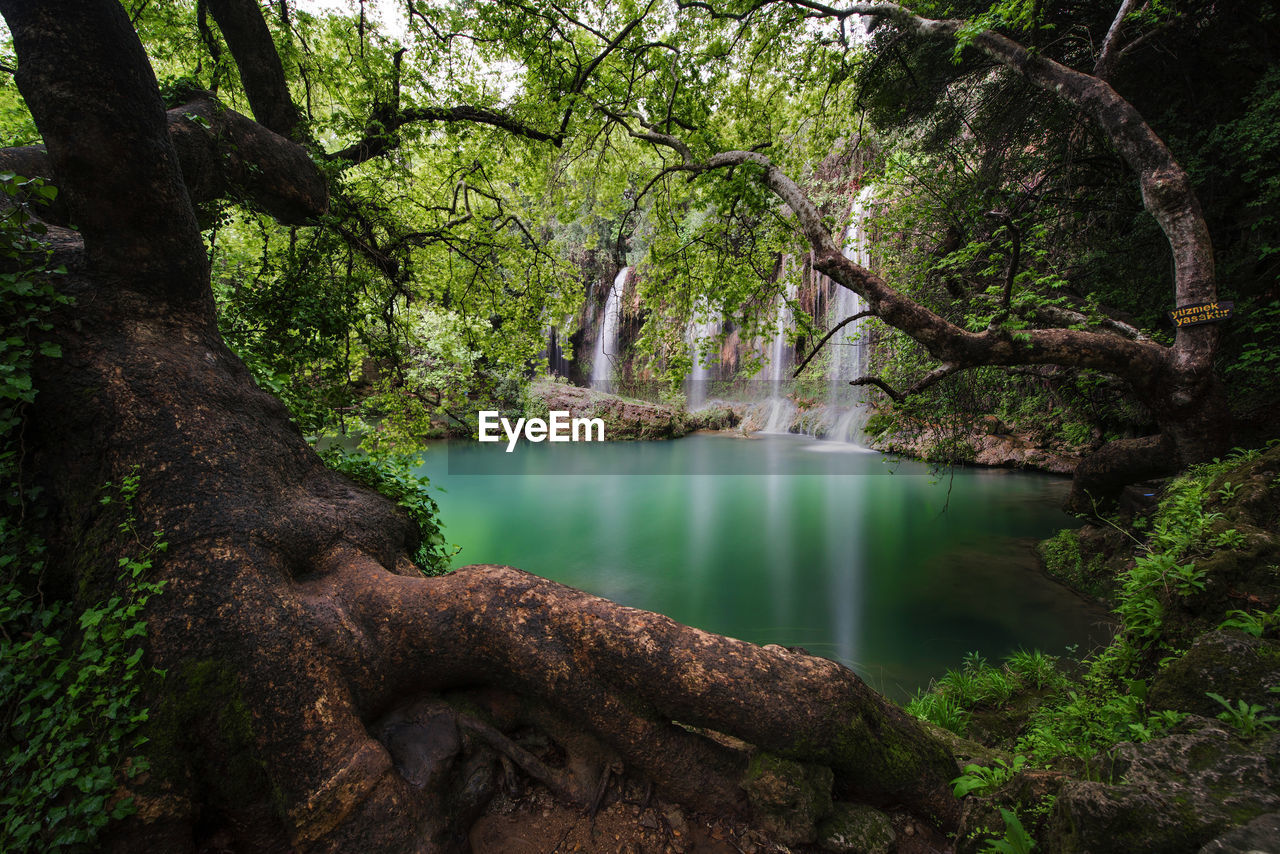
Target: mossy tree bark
319, 693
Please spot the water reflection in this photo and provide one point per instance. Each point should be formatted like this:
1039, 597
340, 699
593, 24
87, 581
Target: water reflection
881, 566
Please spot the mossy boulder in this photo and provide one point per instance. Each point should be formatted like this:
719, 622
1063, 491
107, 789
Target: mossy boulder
856, 829
1173, 794
788, 798
713, 418
1261, 834
623, 417
1230, 663
1087, 559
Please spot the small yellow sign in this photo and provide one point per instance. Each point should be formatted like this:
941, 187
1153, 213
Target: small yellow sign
1193, 315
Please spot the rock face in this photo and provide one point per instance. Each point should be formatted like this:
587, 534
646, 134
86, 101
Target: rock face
1260, 836
1173, 794
625, 418
1017, 452
987, 444
1091, 559
1229, 663
788, 798
714, 418
856, 829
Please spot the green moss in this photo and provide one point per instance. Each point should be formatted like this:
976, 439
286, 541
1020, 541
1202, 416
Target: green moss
204, 727
883, 759
1064, 560
950, 451
878, 422
1061, 554
759, 765
788, 798
902, 766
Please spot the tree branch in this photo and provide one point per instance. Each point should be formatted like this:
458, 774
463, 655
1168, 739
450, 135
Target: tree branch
1011, 274
261, 72
939, 373
1063, 316
818, 348
589, 652
140, 232
580, 79
221, 154
944, 340
1107, 56
653, 135
379, 137
1166, 189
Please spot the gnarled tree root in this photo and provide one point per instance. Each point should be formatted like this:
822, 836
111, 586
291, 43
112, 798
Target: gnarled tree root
385, 708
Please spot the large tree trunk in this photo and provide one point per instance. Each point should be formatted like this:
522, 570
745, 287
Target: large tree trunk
318, 692
290, 601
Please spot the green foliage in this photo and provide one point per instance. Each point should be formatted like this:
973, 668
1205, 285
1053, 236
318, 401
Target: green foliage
15, 118
1085, 718
1157, 724
393, 476
950, 700
1255, 361
941, 709
963, 140
71, 674
1037, 668
1106, 704
71, 688
1256, 622
1016, 840
1247, 718
26, 299
1181, 528
977, 682
982, 779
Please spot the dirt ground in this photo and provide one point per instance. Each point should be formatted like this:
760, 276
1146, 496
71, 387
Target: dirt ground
534, 822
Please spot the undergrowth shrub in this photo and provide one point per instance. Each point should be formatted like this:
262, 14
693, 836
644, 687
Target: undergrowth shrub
71, 685
393, 476
1080, 716
71, 674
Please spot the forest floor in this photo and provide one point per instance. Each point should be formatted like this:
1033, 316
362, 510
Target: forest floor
533, 821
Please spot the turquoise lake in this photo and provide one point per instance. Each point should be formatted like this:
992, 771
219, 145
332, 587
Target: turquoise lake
877, 563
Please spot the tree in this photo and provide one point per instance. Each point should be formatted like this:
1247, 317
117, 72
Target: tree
1177, 383
316, 688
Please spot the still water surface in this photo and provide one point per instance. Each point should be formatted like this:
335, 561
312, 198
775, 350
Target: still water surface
780, 539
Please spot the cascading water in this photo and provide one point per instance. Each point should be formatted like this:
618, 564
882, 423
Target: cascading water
846, 404
781, 409
607, 340
557, 364
696, 333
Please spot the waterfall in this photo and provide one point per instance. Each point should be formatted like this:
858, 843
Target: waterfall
780, 408
557, 365
607, 340
696, 332
846, 404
